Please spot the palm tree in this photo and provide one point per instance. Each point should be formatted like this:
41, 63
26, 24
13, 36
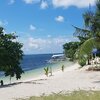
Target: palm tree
91, 32
46, 71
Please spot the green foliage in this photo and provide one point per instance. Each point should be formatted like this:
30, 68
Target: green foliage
82, 61
76, 95
10, 55
46, 71
89, 35
70, 49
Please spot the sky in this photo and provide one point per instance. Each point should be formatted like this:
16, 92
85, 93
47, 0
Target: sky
43, 26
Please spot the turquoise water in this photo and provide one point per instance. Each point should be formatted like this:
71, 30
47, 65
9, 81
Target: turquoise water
37, 72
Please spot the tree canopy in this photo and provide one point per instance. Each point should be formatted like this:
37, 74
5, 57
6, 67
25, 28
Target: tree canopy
89, 37
91, 31
10, 55
70, 49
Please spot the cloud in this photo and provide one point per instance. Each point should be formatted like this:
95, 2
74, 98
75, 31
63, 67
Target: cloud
11, 2
43, 45
44, 5
77, 3
32, 28
38, 43
3, 23
33, 45
31, 1
49, 36
59, 19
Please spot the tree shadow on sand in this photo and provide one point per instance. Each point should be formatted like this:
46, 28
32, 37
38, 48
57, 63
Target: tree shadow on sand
10, 85
39, 81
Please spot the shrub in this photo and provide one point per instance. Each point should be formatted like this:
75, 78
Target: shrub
82, 62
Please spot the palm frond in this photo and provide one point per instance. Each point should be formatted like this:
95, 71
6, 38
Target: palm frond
98, 8
87, 47
81, 32
88, 16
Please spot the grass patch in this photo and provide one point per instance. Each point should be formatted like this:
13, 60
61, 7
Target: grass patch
76, 95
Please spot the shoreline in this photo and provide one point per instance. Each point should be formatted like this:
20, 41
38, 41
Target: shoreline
55, 72
27, 75
71, 79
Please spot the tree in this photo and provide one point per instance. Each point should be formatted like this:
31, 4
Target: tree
91, 32
70, 49
10, 55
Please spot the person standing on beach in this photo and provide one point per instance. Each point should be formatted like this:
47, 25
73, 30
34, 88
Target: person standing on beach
1, 82
51, 71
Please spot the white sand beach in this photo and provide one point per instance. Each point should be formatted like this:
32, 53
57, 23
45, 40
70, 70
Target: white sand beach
71, 79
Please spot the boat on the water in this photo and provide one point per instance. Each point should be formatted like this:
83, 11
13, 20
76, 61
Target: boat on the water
56, 58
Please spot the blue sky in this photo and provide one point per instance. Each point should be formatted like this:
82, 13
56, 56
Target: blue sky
43, 26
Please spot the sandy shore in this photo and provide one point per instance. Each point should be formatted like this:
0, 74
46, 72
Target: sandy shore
71, 79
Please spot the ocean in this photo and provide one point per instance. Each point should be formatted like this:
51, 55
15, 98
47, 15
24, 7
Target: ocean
35, 61
33, 66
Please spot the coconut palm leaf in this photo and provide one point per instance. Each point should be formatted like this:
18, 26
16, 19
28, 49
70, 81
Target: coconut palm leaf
98, 7
88, 18
81, 32
87, 47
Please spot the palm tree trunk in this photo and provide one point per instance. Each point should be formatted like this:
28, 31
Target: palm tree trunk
88, 61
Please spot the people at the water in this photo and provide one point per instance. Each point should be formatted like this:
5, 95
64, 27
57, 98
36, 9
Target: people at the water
51, 71
1, 82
